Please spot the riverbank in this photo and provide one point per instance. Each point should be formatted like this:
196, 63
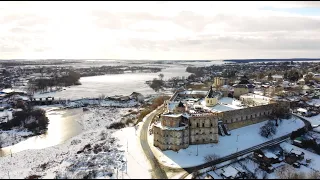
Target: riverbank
9, 138
94, 153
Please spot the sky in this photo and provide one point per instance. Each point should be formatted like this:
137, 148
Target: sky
168, 30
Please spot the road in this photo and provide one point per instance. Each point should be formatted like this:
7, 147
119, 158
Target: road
157, 171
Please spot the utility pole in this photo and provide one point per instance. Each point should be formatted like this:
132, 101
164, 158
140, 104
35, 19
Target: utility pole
8, 175
197, 149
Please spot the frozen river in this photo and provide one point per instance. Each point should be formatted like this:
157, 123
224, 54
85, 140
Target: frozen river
116, 84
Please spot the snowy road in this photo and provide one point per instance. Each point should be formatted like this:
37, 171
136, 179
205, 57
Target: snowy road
158, 172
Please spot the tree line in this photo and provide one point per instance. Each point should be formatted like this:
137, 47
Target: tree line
42, 84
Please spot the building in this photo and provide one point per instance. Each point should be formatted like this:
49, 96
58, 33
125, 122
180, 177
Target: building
243, 87
212, 97
195, 117
220, 81
316, 77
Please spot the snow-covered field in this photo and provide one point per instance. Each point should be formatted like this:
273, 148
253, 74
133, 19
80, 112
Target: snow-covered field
96, 152
239, 140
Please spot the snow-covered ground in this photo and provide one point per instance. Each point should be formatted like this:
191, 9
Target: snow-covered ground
5, 116
315, 158
11, 137
314, 120
249, 166
96, 148
240, 139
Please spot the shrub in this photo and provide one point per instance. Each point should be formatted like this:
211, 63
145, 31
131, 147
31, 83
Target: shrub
268, 129
211, 157
117, 125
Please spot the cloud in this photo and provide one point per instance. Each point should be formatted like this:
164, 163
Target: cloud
158, 30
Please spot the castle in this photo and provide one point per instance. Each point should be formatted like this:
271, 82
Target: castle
200, 117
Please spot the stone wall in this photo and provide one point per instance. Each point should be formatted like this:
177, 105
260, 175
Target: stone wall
170, 121
252, 113
203, 129
166, 139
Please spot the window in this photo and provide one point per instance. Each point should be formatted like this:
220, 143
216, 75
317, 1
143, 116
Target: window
202, 124
197, 124
211, 124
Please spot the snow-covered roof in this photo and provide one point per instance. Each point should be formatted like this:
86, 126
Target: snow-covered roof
172, 115
277, 76
302, 110
221, 108
158, 124
230, 171
269, 154
296, 152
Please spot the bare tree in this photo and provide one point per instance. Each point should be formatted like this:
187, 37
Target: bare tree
161, 76
288, 172
314, 175
267, 130
211, 157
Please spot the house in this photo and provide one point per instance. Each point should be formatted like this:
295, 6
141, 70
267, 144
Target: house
243, 87
230, 173
220, 81
266, 156
267, 167
298, 154
298, 142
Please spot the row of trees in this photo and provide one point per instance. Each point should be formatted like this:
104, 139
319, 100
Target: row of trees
42, 84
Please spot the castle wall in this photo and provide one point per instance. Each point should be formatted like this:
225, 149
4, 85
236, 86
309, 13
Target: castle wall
170, 121
203, 129
166, 139
251, 112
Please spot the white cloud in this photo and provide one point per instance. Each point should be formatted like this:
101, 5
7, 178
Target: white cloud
157, 30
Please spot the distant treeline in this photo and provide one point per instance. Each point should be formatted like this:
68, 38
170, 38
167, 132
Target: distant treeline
42, 84
270, 60
94, 71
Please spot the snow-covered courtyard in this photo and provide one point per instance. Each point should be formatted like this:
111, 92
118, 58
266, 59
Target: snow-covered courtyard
239, 140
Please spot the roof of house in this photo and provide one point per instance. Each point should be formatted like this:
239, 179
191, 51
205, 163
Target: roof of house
230, 171
180, 104
296, 152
